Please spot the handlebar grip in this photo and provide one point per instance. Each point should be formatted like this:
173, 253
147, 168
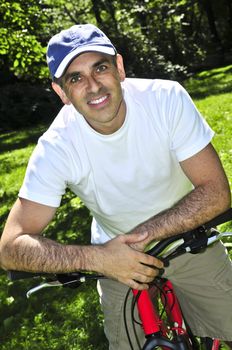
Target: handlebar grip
22, 275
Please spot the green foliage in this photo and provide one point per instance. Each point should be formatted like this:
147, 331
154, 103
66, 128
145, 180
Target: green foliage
157, 38
67, 318
21, 49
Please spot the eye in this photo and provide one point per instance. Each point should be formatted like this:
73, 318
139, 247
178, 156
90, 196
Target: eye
75, 78
101, 68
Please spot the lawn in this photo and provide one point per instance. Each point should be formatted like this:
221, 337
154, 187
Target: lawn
212, 93
58, 320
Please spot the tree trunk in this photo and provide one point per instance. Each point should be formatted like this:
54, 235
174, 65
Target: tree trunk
211, 20
97, 12
111, 9
229, 5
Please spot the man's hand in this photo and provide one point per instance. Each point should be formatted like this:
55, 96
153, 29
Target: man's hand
140, 245
127, 265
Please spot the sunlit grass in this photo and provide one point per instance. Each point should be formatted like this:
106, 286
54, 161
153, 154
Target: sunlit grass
218, 112
15, 150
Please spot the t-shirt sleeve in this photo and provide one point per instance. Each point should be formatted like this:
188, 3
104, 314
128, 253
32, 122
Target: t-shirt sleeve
46, 175
189, 132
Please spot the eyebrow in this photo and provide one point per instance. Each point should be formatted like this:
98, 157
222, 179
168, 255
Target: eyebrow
75, 73
103, 60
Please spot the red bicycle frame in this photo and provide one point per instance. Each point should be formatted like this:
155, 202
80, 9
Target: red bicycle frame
155, 329
151, 321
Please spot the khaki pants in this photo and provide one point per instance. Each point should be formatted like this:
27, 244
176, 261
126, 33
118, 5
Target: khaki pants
203, 284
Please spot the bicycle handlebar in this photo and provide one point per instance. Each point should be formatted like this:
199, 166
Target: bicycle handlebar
192, 241
15, 275
195, 234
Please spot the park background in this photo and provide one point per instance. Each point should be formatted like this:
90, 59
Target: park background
187, 40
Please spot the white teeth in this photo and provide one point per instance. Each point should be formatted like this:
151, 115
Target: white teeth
99, 100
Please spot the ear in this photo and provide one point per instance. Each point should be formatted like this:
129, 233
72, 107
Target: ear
60, 92
120, 67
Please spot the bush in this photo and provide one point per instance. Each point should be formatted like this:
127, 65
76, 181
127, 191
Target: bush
23, 104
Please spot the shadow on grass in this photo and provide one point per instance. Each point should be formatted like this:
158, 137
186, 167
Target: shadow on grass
71, 225
207, 83
214, 72
13, 140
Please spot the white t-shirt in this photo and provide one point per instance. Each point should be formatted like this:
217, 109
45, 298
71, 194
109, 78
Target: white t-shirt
128, 176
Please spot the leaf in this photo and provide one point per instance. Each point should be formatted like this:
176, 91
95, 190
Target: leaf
16, 63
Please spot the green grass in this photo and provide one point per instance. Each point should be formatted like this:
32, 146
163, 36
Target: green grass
212, 94
15, 150
218, 112
64, 319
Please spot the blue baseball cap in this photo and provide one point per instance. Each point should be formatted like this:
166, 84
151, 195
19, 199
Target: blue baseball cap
69, 43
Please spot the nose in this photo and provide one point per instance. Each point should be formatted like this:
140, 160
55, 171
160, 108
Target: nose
93, 84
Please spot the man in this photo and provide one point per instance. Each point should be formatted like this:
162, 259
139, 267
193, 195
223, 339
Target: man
138, 153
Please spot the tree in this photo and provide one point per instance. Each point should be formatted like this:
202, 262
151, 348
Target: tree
21, 46
157, 39
168, 36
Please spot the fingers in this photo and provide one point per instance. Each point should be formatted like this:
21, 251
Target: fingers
146, 276
136, 285
149, 261
140, 282
144, 279
143, 276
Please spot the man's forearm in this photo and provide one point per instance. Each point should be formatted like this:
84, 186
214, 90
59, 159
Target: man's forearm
114, 259
196, 208
37, 253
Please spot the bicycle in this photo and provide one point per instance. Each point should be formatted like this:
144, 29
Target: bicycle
163, 324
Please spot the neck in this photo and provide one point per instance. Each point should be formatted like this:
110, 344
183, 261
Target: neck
114, 124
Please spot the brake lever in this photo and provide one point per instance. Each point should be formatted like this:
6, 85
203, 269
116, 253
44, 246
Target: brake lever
42, 286
218, 237
63, 280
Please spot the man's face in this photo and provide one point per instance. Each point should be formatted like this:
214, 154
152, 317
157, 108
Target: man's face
92, 84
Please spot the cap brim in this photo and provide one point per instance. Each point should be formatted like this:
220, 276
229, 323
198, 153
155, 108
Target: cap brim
63, 65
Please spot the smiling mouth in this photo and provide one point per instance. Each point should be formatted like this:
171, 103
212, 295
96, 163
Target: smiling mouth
98, 101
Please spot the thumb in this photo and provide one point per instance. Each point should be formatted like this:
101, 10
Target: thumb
135, 237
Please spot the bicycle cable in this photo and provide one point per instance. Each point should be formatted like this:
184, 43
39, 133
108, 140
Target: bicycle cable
173, 302
125, 318
161, 292
134, 301
134, 321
